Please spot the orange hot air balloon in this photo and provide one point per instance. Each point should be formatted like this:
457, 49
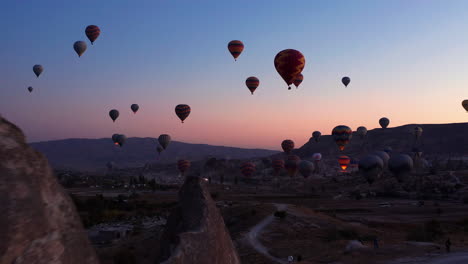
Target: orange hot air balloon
252, 83
289, 63
342, 135
344, 162
298, 80
235, 47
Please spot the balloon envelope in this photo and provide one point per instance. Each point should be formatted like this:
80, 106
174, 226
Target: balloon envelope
92, 32
114, 114
182, 111
248, 169
252, 83
306, 168
164, 140
370, 167
80, 47
344, 162
316, 135
289, 63
30, 89
287, 145
342, 135
400, 165
384, 122
298, 80
38, 69
235, 47
134, 108
346, 80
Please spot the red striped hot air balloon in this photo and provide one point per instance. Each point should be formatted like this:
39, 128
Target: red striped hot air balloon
92, 32
287, 145
278, 165
298, 80
342, 135
183, 166
344, 162
252, 83
235, 47
182, 111
292, 165
248, 169
289, 63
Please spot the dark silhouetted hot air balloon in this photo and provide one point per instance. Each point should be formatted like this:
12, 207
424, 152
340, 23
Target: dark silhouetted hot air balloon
287, 145
38, 69
292, 165
344, 162
298, 80
383, 156
248, 169
183, 166
92, 32
252, 83
289, 63
110, 165
346, 80
384, 122
400, 165
465, 105
134, 108
278, 165
121, 140
159, 149
342, 135
30, 89
80, 47
235, 47
362, 132
114, 138
388, 149
317, 156
417, 132
370, 167
182, 111
417, 152
306, 168
316, 135
164, 140
114, 114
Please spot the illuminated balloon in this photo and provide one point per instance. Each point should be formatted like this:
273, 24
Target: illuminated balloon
289, 63
342, 135
344, 162
80, 47
38, 69
182, 111
121, 140
287, 145
361, 131
298, 80
235, 47
164, 140
248, 169
114, 138
278, 165
346, 80
30, 89
114, 114
384, 122
134, 108
252, 83
183, 166
291, 165
316, 135
92, 32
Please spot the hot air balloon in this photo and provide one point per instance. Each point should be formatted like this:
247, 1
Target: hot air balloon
114, 138
110, 165
252, 83
278, 165
417, 152
92, 32
159, 149
383, 156
287, 145
248, 169
291, 165
182, 111
134, 108
346, 80
183, 166
114, 114
344, 162
298, 80
30, 89
80, 47
121, 140
384, 122
362, 132
164, 140
388, 149
465, 105
400, 165
306, 168
370, 167
417, 132
342, 135
289, 63
235, 47
38, 69
317, 157
316, 135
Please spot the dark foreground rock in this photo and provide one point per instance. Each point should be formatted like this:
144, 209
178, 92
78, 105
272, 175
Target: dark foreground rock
195, 231
38, 221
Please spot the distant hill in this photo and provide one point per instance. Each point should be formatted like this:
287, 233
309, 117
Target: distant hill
92, 154
436, 139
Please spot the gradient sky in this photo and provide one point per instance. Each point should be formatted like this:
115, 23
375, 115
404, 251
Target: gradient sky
408, 61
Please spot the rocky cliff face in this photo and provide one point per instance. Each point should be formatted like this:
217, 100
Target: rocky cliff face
195, 231
39, 223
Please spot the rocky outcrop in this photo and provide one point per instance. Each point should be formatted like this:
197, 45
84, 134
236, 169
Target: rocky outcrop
38, 222
195, 231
